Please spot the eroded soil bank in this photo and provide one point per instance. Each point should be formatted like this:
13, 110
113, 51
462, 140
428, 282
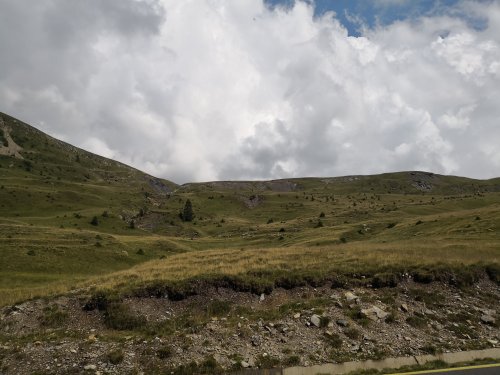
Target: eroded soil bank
220, 330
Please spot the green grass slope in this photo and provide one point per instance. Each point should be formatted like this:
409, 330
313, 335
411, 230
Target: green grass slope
50, 242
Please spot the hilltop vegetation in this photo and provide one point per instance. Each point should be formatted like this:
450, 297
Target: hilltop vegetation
67, 215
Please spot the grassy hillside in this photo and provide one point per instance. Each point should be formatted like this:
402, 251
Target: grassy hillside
50, 193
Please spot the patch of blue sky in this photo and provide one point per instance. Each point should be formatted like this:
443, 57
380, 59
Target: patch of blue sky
358, 14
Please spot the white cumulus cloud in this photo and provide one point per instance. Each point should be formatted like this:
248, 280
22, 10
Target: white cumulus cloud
222, 89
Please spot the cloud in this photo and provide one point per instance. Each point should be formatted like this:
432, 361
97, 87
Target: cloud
219, 89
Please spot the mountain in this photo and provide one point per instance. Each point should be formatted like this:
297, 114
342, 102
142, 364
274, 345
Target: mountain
66, 212
94, 255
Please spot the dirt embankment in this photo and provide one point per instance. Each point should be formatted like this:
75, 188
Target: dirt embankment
219, 328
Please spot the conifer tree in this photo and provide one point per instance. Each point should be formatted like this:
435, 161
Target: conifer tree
187, 212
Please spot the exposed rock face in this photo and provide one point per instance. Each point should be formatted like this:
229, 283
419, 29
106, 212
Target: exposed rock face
12, 148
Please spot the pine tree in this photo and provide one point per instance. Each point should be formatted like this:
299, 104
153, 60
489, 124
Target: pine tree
187, 212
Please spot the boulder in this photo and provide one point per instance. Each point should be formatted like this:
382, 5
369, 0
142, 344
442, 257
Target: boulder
487, 319
350, 296
315, 320
374, 313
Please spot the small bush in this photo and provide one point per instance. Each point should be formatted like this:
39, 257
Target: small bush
391, 225
164, 352
218, 308
353, 333
53, 317
416, 321
382, 280
115, 356
334, 340
293, 360
267, 361
322, 214
98, 301
31, 252
270, 221
94, 221
324, 321
429, 349
118, 316
140, 252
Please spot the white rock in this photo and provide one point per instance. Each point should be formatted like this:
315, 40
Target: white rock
315, 319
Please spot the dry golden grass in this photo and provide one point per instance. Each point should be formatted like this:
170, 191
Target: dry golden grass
356, 256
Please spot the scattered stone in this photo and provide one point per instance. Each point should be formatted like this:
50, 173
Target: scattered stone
90, 368
296, 316
350, 296
404, 307
493, 342
256, 340
342, 322
339, 304
315, 320
374, 313
487, 319
262, 297
245, 364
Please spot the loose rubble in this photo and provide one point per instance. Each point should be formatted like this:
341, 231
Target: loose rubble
302, 326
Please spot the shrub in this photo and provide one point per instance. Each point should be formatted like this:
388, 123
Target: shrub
118, 316
334, 340
293, 360
94, 221
218, 308
164, 352
270, 221
140, 252
352, 333
53, 317
322, 214
382, 280
267, 361
416, 321
31, 252
115, 356
323, 321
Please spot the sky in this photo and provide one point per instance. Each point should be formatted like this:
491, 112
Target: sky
200, 90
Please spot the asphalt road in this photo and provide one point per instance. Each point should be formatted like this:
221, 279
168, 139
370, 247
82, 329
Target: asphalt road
470, 371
